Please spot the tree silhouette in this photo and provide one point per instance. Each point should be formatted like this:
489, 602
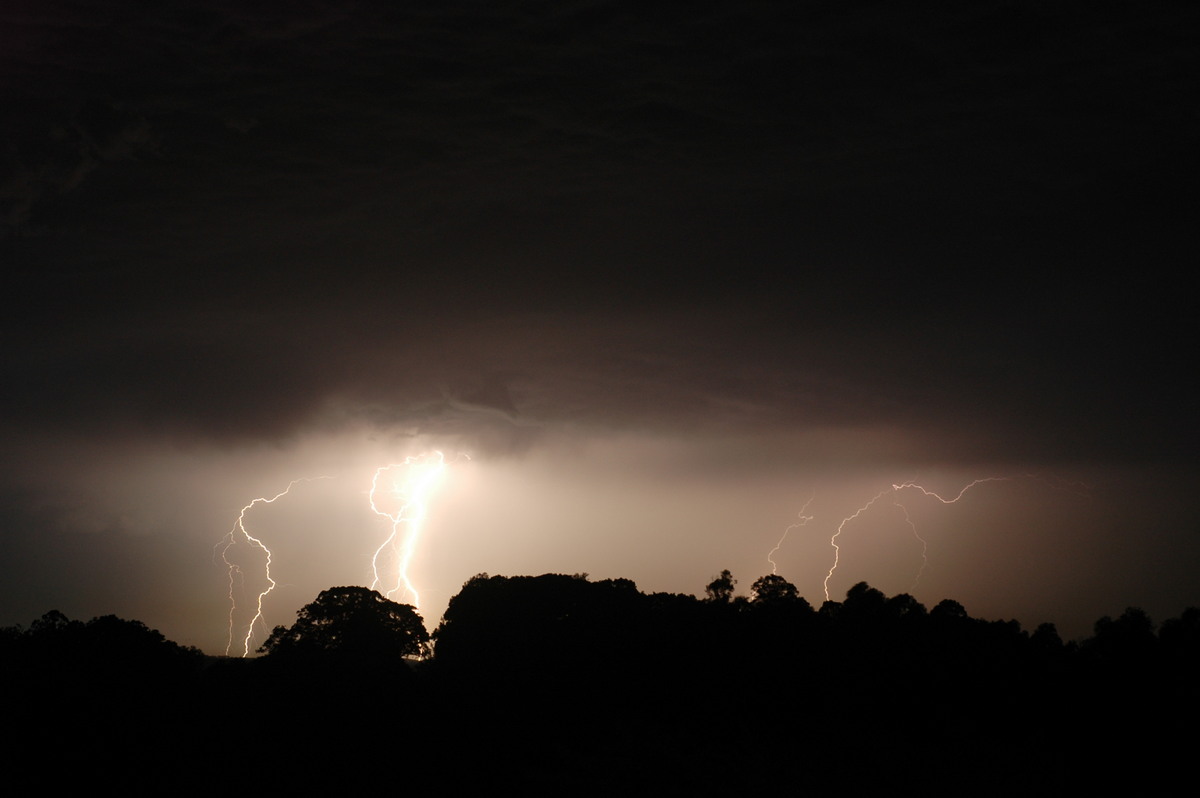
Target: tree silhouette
1182, 635
1129, 638
502, 621
720, 590
949, 610
773, 588
352, 620
863, 601
904, 605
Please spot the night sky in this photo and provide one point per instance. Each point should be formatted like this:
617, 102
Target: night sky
664, 279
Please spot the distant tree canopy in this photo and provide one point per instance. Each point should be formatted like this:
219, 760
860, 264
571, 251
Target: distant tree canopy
107, 654
560, 623
105, 639
528, 617
720, 590
352, 620
773, 589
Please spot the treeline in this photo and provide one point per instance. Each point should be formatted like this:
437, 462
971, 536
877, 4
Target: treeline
526, 622
523, 622
541, 681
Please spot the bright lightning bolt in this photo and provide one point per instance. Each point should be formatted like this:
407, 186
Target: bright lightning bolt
399, 492
895, 490
804, 519
410, 491
837, 551
238, 535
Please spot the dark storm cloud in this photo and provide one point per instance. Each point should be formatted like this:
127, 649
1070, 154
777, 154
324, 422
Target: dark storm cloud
225, 222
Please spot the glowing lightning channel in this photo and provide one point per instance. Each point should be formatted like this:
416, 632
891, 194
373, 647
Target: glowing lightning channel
837, 551
966, 488
804, 519
924, 545
411, 489
239, 533
894, 490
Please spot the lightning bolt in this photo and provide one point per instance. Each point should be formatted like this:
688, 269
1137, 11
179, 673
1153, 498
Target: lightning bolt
894, 491
966, 488
804, 519
239, 534
399, 492
410, 490
924, 545
837, 551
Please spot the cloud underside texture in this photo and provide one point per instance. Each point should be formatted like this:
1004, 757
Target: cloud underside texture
234, 225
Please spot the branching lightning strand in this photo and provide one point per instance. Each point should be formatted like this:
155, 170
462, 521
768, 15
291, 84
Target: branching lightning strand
894, 490
234, 570
804, 519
